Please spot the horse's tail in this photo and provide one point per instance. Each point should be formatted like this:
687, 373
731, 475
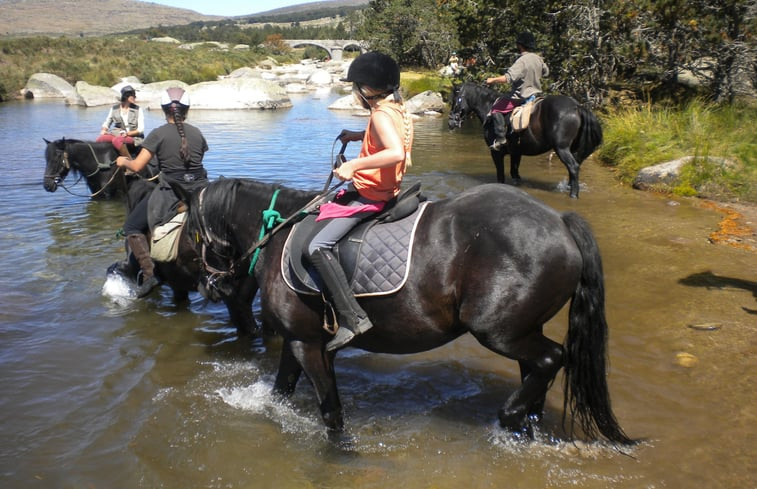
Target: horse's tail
586, 392
589, 136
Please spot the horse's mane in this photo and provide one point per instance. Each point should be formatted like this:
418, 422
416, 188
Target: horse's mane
223, 196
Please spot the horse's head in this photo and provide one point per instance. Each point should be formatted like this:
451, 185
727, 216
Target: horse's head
459, 109
57, 165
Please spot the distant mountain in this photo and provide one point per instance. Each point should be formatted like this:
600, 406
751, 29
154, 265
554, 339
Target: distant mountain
100, 17
306, 7
88, 17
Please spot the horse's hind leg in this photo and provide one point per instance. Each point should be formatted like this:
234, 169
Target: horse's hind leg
540, 358
573, 167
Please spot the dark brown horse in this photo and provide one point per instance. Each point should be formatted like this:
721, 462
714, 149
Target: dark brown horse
499, 276
557, 123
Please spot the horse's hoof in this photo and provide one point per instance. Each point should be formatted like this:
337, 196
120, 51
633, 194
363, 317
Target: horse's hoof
342, 441
517, 182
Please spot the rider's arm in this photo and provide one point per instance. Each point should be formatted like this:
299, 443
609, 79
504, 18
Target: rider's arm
393, 150
498, 79
108, 120
135, 165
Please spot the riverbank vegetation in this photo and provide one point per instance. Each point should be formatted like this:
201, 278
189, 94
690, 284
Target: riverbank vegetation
640, 136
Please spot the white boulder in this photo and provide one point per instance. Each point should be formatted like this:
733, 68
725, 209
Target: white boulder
239, 93
425, 103
92, 95
47, 85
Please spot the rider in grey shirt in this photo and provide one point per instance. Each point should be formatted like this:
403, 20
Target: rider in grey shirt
524, 77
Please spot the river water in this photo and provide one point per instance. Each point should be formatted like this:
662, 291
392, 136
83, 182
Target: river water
101, 391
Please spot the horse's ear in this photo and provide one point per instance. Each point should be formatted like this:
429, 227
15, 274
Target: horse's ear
46, 141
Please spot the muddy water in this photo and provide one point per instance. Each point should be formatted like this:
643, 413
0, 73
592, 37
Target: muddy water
103, 391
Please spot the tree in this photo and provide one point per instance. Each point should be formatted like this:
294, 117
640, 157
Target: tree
414, 32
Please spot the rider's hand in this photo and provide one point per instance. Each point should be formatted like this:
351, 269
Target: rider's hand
346, 136
122, 161
345, 171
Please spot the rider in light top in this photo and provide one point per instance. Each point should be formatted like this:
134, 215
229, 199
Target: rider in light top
524, 77
128, 121
376, 175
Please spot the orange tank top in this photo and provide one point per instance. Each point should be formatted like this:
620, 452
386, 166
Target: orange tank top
384, 183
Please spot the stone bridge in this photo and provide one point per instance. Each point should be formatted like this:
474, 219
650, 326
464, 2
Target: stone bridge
335, 47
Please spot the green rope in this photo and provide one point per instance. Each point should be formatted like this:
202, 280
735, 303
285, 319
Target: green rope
271, 217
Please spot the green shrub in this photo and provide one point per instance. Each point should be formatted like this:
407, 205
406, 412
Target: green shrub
639, 137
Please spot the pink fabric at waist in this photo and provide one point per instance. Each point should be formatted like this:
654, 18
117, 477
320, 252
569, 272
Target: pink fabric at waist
330, 210
504, 105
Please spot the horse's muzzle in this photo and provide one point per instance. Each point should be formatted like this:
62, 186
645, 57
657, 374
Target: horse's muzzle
454, 121
51, 184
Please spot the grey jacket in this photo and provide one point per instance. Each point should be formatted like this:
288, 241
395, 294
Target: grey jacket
525, 75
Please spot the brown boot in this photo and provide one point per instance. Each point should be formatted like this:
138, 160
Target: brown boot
141, 251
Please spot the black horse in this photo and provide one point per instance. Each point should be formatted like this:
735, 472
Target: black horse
95, 162
475, 269
183, 275
557, 123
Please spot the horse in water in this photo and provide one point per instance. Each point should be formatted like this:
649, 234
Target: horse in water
499, 276
557, 123
183, 275
95, 162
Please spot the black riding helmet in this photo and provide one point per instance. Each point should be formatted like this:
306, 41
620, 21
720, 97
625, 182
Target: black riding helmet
376, 70
527, 40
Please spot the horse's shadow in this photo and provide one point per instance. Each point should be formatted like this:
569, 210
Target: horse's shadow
711, 281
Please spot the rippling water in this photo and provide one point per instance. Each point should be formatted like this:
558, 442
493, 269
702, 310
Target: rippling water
100, 390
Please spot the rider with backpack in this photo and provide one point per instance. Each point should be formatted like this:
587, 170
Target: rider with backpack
179, 148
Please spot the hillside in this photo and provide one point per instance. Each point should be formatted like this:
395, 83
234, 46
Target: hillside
87, 17
100, 17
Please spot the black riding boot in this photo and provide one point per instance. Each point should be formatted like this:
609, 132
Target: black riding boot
351, 318
499, 128
141, 251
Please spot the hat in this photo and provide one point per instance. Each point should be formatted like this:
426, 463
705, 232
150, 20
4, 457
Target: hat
174, 94
526, 39
376, 70
128, 89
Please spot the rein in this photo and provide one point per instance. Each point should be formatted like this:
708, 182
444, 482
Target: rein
272, 223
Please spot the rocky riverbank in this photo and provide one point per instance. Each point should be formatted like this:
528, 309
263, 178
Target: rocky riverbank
263, 87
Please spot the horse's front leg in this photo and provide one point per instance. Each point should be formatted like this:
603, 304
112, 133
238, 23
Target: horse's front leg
289, 372
319, 367
515, 167
239, 305
498, 157
573, 167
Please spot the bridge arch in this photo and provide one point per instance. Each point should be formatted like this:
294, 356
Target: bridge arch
335, 47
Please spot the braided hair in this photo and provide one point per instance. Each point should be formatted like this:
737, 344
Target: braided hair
175, 102
179, 114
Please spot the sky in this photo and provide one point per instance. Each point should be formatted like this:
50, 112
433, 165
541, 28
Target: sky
230, 8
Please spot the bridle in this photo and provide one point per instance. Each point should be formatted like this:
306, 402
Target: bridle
272, 223
64, 166
457, 113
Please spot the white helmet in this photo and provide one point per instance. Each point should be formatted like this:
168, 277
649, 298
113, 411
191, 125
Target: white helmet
174, 94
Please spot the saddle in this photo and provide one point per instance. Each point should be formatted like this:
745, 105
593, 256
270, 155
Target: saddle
375, 255
521, 115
